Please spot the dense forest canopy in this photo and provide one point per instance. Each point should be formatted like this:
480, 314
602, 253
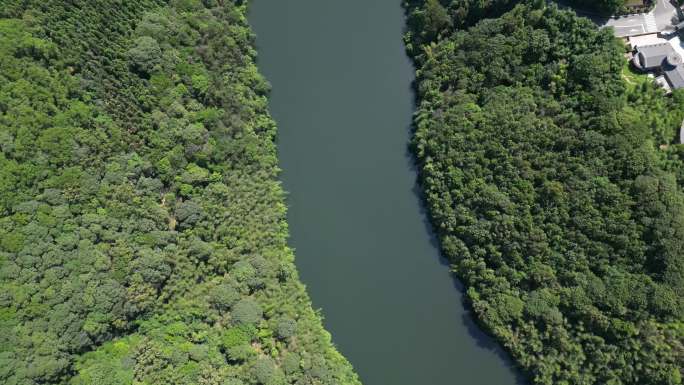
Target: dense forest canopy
554, 188
142, 230
606, 6
428, 18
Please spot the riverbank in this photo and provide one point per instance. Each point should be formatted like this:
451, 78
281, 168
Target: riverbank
343, 101
522, 133
142, 225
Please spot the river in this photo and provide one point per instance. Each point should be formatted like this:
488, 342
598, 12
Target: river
343, 102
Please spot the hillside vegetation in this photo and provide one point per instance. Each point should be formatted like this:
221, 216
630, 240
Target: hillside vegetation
142, 227
549, 191
609, 7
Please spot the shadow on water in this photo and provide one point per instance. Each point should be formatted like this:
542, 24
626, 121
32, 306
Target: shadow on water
343, 101
481, 338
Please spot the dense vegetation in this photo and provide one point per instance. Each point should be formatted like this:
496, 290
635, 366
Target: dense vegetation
554, 189
142, 232
430, 18
608, 7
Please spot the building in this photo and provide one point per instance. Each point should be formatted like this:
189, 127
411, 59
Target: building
651, 57
642, 40
675, 76
662, 59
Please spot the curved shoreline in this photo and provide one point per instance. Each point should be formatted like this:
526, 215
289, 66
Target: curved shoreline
343, 101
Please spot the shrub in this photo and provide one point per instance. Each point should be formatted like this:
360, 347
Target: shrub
247, 311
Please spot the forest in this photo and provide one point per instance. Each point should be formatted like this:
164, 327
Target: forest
607, 7
554, 186
142, 225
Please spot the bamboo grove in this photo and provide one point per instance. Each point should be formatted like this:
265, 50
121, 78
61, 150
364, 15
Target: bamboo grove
142, 226
555, 189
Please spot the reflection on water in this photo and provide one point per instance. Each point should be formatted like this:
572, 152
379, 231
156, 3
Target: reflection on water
343, 103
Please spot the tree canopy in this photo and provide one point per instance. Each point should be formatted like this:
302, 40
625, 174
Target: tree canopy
142, 226
545, 180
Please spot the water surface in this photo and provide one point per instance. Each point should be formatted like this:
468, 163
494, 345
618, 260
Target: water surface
343, 103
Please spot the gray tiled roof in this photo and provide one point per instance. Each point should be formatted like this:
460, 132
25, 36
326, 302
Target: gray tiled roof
652, 56
675, 76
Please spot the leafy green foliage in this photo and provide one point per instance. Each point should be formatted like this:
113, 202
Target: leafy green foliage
142, 226
607, 7
550, 195
247, 311
430, 19
145, 55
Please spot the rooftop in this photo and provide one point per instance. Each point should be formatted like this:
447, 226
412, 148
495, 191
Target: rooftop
642, 40
675, 76
652, 56
661, 57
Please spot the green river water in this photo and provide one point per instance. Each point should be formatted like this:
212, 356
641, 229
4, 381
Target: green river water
342, 99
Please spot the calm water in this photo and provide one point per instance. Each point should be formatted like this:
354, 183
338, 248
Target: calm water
342, 100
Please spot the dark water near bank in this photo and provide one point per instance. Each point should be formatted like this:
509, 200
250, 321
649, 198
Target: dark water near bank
343, 103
